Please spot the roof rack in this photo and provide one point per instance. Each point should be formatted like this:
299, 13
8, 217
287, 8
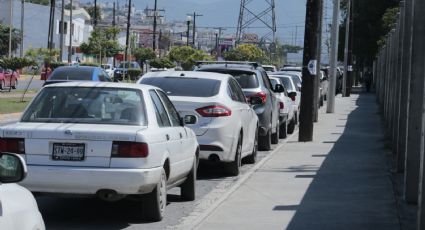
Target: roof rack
253, 64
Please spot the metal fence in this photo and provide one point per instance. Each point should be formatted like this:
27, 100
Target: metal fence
399, 71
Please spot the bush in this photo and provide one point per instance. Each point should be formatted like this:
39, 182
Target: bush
90, 64
134, 73
161, 63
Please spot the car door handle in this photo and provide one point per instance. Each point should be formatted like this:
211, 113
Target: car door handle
167, 137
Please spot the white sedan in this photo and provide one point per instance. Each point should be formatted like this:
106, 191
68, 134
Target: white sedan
226, 125
107, 139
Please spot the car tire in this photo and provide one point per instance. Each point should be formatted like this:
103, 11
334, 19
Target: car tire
154, 202
291, 126
188, 186
251, 159
265, 142
275, 136
233, 168
282, 130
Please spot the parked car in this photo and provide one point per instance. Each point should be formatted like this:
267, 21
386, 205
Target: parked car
287, 111
107, 139
109, 69
294, 93
226, 125
7, 79
77, 73
123, 68
18, 208
269, 68
255, 84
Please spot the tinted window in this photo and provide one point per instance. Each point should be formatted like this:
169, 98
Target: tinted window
186, 87
274, 82
174, 116
247, 80
161, 113
287, 83
84, 74
89, 105
296, 80
237, 91
266, 80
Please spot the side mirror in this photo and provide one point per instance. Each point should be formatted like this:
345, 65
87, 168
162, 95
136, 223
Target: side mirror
292, 95
189, 120
255, 100
12, 168
279, 88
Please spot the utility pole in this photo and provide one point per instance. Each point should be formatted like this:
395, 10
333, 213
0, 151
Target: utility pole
194, 26
70, 34
10, 28
189, 18
21, 50
218, 37
309, 70
334, 58
317, 93
95, 14
51, 24
128, 34
154, 26
350, 72
62, 30
113, 24
347, 36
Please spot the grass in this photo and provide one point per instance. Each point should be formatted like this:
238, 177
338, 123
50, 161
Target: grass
13, 105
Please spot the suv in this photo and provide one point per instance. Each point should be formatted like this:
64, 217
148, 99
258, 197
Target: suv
123, 68
258, 90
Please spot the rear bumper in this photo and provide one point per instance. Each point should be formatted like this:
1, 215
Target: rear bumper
80, 180
219, 139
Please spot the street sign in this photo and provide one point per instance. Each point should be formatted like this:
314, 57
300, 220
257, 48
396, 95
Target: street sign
312, 67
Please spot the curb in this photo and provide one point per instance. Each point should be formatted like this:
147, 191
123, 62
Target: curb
216, 198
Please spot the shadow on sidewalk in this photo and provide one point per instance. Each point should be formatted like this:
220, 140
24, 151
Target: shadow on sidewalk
353, 188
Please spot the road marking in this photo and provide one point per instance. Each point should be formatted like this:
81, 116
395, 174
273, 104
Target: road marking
221, 192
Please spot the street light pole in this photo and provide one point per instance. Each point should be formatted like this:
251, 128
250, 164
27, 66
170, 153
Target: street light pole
21, 53
95, 13
10, 28
70, 33
62, 28
189, 18
334, 56
154, 25
194, 26
347, 36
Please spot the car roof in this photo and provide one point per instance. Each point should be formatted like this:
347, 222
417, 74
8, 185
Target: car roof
77, 67
102, 85
188, 74
229, 66
278, 76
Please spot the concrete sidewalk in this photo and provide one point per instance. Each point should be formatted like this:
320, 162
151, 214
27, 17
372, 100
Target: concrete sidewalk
339, 181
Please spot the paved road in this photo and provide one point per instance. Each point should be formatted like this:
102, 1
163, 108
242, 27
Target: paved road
72, 212
36, 83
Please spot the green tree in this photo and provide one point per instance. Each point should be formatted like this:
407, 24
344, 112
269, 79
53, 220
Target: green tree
245, 52
143, 54
161, 63
90, 10
40, 2
15, 63
4, 39
41, 55
187, 56
102, 42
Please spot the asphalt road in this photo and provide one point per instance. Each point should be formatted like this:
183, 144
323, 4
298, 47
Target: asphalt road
36, 83
73, 212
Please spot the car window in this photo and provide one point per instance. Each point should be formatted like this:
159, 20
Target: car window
91, 105
185, 87
266, 80
246, 80
274, 82
85, 74
231, 93
237, 90
287, 83
172, 112
161, 112
296, 80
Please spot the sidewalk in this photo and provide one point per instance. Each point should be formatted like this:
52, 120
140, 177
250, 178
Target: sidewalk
339, 181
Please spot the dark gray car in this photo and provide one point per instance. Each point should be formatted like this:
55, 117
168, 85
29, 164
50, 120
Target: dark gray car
258, 90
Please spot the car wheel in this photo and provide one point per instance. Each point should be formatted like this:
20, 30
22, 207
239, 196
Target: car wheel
251, 159
188, 187
282, 131
275, 136
154, 202
291, 126
233, 167
265, 142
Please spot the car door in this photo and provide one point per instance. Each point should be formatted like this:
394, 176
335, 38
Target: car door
246, 115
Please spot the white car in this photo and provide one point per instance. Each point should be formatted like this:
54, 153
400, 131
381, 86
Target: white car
286, 106
18, 208
269, 68
294, 93
226, 124
109, 69
107, 139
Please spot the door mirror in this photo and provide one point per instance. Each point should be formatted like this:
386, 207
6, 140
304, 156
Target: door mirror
12, 168
279, 88
292, 95
190, 120
255, 100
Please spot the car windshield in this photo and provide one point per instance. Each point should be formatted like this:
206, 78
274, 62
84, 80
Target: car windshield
90, 105
296, 80
287, 83
128, 65
185, 87
274, 82
84, 74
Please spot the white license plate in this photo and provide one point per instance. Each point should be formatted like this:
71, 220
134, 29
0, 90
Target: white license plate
68, 152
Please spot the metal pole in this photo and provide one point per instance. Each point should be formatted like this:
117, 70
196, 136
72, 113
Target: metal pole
127, 39
194, 29
317, 93
70, 34
21, 50
113, 24
187, 33
10, 28
95, 13
62, 29
154, 26
347, 35
334, 58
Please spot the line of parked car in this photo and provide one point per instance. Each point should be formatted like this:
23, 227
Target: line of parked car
88, 135
7, 79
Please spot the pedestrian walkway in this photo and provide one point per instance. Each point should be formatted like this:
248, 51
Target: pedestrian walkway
339, 181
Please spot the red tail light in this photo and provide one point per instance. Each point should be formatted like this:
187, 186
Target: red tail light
282, 106
126, 149
12, 145
293, 98
262, 95
214, 111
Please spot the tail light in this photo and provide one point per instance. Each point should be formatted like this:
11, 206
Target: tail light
214, 111
126, 149
293, 98
12, 145
262, 95
282, 106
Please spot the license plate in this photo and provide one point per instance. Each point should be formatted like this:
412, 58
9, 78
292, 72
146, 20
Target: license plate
68, 152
